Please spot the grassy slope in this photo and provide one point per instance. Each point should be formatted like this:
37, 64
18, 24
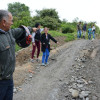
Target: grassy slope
69, 36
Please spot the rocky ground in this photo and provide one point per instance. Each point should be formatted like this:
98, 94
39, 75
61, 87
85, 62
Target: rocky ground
73, 73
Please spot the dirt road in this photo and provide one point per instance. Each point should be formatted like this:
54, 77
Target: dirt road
73, 63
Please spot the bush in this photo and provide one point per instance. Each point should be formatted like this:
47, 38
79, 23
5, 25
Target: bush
67, 28
70, 37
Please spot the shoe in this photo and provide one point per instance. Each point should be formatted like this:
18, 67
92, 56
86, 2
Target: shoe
93, 39
42, 64
37, 59
32, 60
47, 63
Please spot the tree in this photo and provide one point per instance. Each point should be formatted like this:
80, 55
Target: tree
21, 14
48, 18
17, 8
76, 20
47, 12
50, 22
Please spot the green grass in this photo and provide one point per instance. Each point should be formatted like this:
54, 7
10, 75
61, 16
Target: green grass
55, 33
69, 36
17, 48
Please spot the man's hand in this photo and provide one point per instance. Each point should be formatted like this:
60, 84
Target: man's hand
57, 42
33, 43
43, 43
34, 29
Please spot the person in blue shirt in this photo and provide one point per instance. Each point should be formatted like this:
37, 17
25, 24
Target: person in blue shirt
84, 30
89, 33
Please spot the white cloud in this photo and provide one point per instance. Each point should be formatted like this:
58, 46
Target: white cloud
87, 10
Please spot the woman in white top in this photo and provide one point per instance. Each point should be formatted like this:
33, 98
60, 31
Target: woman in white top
93, 31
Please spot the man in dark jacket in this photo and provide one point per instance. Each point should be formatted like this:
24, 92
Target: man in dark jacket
79, 30
45, 45
84, 30
7, 53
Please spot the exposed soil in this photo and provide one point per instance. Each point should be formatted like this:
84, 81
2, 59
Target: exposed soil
23, 64
74, 65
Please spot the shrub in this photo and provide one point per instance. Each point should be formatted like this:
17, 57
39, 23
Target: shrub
67, 28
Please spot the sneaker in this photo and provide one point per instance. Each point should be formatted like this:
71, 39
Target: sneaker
37, 59
42, 64
47, 63
93, 39
32, 60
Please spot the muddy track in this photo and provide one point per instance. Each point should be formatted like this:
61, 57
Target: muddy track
48, 83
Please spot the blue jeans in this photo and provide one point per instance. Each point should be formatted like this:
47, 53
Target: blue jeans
45, 56
6, 89
79, 32
89, 36
93, 33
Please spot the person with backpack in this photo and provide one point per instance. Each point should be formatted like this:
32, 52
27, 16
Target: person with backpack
45, 46
84, 30
36, 36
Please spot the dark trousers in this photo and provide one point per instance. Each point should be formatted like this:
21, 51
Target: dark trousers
37, 44
6, 89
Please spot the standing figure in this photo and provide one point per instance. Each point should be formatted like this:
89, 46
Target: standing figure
93, 31
8, 37
36, 36
79, 30
84, 30
45, 45
89, 33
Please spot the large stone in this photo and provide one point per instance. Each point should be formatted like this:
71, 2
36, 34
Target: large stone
14, 90
87, 98
79, 60
90, 82
30, 76
84, 94
80, 81
80, 85
74, 85
76, 59
70, 90
83, 60
94, 98
75, 93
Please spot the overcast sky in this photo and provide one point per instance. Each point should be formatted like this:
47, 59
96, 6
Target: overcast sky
86, 10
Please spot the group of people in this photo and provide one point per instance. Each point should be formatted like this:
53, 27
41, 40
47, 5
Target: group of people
42, 42
22, 36
80, 29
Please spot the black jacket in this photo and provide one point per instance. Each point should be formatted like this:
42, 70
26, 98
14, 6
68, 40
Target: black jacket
7, 52
46, 42
38, 35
